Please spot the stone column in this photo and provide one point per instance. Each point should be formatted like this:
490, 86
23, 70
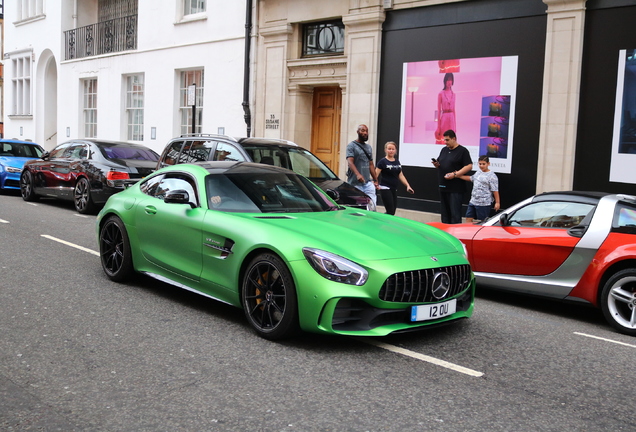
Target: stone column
360, 101
272, 81
561, 87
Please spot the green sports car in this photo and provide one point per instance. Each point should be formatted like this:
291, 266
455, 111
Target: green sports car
269, 241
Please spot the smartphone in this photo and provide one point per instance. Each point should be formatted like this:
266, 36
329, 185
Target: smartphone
433, 160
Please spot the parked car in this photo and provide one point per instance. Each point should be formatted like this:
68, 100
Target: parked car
268, 240
13, 155
86, 171
286, 154
577, 246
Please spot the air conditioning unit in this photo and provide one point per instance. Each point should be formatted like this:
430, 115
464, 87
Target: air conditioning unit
388, 4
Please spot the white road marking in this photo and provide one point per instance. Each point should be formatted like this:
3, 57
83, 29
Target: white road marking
604, 339
80, 215
423, 357
32, 204
3, 221
70, 244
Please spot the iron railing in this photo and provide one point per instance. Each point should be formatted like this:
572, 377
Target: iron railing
115, 35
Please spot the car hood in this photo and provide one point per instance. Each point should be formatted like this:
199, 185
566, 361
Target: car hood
15, 162
360, 235
349, 194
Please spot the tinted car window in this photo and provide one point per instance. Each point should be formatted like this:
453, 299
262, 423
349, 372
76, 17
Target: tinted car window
267, 193
309, 165
172, 154
196, 151
78, 151
225, 151
149, 186
625, 220
58, 151
20, 150
551, 214
269, 155
175, 182
127, 152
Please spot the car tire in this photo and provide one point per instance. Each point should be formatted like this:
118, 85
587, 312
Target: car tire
618, 301
269, 298
26, 187
82, 197
114, 250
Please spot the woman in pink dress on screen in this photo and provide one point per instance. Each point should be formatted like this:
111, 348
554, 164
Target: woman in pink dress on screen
446, 109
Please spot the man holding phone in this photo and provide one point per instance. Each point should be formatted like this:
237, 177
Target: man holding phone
453, 161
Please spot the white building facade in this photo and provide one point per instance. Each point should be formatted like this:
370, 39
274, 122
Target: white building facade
123, 69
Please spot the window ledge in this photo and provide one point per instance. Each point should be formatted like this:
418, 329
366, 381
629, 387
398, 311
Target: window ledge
192, 18
29, 20
21, 116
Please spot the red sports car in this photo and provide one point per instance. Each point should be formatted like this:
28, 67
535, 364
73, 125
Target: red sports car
565, 245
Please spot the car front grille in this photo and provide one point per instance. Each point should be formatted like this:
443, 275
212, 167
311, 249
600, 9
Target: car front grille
418, 286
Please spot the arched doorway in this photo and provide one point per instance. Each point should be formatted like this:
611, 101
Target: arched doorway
46, 102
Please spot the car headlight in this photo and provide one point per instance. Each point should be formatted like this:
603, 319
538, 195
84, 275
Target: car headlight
13, 170
465, 249
335, 268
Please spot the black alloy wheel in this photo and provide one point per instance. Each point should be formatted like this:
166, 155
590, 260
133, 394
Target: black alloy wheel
114, 250
82, 197
269, 298
618, 301
26, 187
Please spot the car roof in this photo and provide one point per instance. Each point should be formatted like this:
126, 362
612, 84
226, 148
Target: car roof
17, 141
266, 142
243, 140
591, 197
233, 167
105, 143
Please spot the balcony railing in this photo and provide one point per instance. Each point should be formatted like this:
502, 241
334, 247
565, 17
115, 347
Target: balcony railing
105, 37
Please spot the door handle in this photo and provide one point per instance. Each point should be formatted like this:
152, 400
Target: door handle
150, 210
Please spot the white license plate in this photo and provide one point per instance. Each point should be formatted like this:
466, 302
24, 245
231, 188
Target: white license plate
433, 311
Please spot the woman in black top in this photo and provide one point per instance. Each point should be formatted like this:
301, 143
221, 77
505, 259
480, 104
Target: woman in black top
390, 173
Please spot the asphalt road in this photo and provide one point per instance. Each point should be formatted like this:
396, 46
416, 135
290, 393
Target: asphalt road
81, 353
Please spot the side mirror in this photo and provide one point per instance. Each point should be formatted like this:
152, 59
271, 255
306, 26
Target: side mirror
178, 196
333, 194
45, 155
504, 219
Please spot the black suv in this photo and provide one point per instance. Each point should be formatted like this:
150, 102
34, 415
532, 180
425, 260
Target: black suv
286, 154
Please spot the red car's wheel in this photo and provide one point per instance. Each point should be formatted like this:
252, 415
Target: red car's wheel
82, 197
269, 298
618, 301
26, 187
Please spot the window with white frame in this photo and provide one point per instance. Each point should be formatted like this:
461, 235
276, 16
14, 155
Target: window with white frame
21, 84
89, 107
188, 78
29, 9
135, 107
191, 7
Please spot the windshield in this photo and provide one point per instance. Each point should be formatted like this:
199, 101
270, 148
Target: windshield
296, 159
20, 150
264, 193
128, 152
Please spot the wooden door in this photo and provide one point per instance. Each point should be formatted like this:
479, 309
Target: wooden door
325, 125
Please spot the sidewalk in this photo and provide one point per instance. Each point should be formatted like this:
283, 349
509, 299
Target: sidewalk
414, 215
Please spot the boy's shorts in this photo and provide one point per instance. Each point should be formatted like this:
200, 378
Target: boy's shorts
478, 212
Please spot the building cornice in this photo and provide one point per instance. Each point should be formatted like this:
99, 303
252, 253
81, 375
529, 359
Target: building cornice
565, 5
